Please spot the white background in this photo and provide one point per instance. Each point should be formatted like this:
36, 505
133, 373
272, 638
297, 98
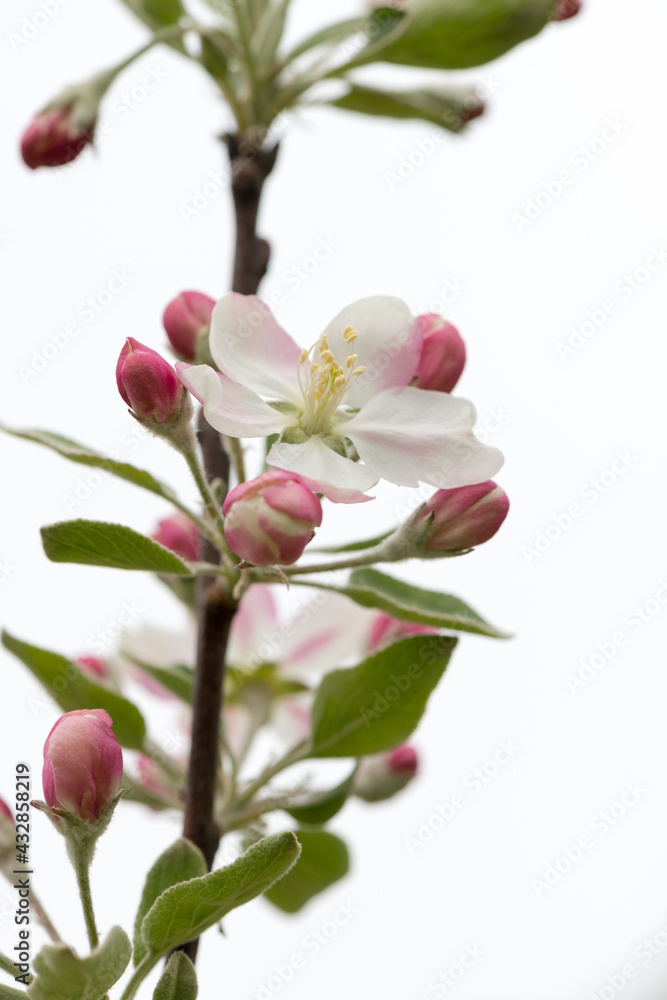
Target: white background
563, 419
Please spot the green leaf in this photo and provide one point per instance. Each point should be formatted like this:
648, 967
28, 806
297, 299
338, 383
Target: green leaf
178, 981
62, 975
157, 14
331, 35
320, 807
99, 543
178, 679
178, 864
324, 859
186, 911
372, 589
9, 993
376, 705
366, 543
455, 34
215, 53
79, 453
450, 107
72, 690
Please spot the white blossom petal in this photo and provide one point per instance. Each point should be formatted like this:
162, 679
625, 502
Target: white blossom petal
229, 407
251, 348
389, 344
317, 642
255, 620
413, 435
323, 470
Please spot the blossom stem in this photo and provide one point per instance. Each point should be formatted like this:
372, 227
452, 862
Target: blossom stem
251, 165
82, 870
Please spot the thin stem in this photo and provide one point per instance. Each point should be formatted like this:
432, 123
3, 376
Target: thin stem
238, 459
210, 502
140, 973
297, 753
43, 918
82, 869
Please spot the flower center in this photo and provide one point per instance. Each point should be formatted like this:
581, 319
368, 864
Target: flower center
323, 384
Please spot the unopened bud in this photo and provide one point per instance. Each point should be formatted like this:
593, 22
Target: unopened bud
459, 519
83, 764
148, 384
443, 355
54, 138
383, 775
567, 9
179, 534
94, 665
186, 320
271, 519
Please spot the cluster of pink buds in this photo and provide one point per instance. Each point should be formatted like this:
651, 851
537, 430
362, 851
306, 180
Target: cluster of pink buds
83, 764
271, 519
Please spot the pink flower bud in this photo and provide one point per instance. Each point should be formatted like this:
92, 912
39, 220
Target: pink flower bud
443, 354
385, 629
179, 534
5, 812
567, 9
463, 517
184, 319
403, 759
383, 775
271, 519
93, 665
53, 138
148, 384
83, 764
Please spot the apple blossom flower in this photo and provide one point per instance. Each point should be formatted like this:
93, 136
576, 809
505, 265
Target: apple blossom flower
443, 354
54, 137
462, 518
5, 813
185, 319
271, 519
83, 764
383, 775
147, 383
348, 396
179, 534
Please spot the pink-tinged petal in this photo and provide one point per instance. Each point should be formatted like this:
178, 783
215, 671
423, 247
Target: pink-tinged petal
291, 718
256, 619
315, 641
251, 348
229, 407
323, 470
412, 435
389, 344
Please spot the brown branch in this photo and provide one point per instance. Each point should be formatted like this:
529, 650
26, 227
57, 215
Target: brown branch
251, 165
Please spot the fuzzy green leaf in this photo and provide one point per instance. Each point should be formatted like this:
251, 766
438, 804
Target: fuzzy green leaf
100, 543
324, 859
375, 706
62, 975
372, 589
178, 864
178, 981
185, 911
320, 807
